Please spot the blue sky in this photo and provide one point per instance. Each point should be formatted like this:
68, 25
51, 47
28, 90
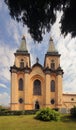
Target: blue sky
11, 33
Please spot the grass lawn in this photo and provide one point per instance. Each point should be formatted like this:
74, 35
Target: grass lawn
27, 122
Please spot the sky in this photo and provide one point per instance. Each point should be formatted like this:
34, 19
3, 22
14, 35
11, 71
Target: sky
11, 33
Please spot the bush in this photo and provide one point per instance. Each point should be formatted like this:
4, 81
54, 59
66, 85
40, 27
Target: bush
3, 111
47, 114
6, 112
73, 111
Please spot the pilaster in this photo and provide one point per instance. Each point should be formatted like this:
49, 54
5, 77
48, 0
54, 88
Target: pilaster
26, 90
14, 92
58, 91
47, 101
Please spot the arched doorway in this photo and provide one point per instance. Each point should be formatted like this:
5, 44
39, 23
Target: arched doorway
37, 106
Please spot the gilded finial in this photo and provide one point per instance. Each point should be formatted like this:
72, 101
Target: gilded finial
37, 60
51, 39
23, 37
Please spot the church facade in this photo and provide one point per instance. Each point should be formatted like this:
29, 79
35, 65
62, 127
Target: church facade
37, 86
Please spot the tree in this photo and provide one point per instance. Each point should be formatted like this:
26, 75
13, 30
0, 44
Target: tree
40, 15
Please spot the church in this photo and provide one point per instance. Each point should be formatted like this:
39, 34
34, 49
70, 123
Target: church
37, 86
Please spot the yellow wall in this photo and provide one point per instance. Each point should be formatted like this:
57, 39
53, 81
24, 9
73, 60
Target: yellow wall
25, 58
48, 60
38, 72
69, 100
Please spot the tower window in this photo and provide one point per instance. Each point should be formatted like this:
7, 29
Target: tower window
22, 63
52, 65
52, 87
37, 87
21, 84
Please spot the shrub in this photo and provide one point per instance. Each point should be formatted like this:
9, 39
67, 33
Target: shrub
47, 114
73, 111
3, 111
6, 112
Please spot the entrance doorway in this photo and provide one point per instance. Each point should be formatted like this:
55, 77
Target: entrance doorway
37, 106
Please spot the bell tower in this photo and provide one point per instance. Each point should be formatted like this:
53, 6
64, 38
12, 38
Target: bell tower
22, 57
19, 76
53, 74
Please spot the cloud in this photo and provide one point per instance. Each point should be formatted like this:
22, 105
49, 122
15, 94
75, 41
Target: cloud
1, 4
3, 85
67, 48
4, 99
13, 30
16, 30
7, 59
68, 62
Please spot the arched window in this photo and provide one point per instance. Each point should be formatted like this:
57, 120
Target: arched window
22, 63
37, 87
52, 65
21, 84
52, 87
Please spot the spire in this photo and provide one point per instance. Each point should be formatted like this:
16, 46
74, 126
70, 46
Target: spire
51, 46
23, 45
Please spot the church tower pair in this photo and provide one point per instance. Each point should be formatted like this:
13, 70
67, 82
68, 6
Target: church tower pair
37, 86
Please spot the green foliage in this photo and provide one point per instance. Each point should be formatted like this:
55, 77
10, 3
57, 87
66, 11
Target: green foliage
73, 111
6, 112
40, 15
3, 110
47, 114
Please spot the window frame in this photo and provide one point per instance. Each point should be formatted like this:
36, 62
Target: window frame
37, 87
20, 84
52, 86
22, 63
52, 65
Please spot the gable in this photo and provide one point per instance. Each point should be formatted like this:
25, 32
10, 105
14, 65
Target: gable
37, 70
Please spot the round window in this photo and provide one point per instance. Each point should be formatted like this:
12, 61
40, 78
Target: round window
52, 101
20, 100
72, 99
